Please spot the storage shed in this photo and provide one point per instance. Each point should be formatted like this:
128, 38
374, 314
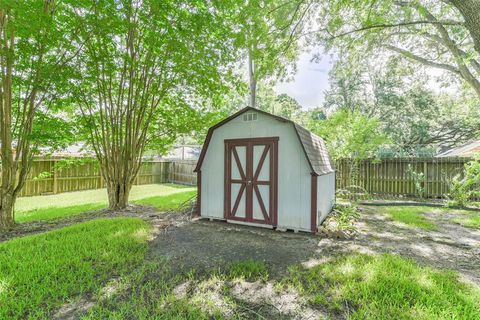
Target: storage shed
260, 169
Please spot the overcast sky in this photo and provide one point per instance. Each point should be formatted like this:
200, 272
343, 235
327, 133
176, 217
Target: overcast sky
310, 82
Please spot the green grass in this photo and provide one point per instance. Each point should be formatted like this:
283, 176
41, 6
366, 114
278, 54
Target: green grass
471, 220
164, 202
411, 216
39, 273
386, 287
167, 202
98, 196
55, 212
249, 270
151, 293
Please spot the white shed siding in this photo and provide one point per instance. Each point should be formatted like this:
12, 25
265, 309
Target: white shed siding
325, 195
294, 179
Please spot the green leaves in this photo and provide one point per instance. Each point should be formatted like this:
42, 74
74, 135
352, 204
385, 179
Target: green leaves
42, 44
269, 32
430, 33
159, 63
350, 135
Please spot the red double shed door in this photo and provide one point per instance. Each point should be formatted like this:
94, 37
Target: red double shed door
251, 180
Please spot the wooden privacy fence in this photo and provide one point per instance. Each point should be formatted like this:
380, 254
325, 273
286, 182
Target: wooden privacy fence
399, 177
181, 172
48, 177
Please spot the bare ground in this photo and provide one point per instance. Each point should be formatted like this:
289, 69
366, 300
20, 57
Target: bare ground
203, 245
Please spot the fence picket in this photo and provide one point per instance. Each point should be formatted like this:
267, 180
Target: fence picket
392, 177
385, 178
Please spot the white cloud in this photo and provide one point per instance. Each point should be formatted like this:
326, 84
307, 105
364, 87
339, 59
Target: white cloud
310, 81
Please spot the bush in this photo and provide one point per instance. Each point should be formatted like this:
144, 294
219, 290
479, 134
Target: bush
341, 223
464, 189
345, 215
418, 181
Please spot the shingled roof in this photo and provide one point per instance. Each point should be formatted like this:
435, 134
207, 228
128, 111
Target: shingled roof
313, 146
315, 150
466, 150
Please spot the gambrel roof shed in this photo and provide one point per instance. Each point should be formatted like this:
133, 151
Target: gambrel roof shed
262, 169
313, 146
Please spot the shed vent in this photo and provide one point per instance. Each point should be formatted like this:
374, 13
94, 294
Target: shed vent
249, 117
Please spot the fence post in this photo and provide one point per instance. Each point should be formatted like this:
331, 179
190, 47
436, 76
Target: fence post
425, 178
55, 180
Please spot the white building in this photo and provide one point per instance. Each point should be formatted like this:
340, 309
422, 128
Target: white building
259, 169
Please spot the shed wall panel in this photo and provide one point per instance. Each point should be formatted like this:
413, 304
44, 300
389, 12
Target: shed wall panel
293, 170
325, 195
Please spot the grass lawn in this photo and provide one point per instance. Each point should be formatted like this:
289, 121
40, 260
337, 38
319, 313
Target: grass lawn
167, 202
413, 216
52, 213
354, 286
470, 220
40, 273
386, 287
151, 293
70, 199
164, 197
410, 215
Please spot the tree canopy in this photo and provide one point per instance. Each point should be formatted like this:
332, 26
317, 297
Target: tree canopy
438, 34
145, 72
349, 134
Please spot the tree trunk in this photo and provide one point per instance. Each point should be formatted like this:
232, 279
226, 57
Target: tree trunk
118, 193
7, 218
252, 80
7, 164
470, 10
119, 173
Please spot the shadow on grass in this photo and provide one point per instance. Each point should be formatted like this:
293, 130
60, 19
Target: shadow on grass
40, 273
355, 286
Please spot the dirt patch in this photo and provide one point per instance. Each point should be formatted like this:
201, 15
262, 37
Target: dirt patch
204, 245
450, 246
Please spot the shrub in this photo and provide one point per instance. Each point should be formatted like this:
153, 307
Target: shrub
345, 216
418, 180
464, 189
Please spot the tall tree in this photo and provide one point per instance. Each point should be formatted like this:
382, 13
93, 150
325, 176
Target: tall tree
437, 34
470, 10
269, 31
34, 51
413, 115
349, 134
144, 66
